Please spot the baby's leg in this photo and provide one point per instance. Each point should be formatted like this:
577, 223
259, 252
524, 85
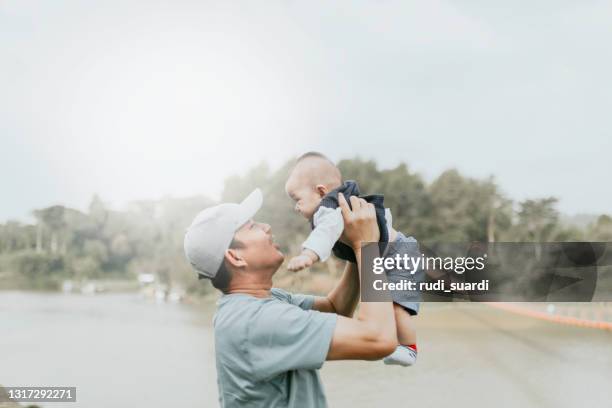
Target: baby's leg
406, 325
406, 352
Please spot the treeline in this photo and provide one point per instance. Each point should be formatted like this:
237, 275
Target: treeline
147, 237
101, 243
452, 208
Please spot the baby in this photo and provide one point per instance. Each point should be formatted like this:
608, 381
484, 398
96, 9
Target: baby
314, 185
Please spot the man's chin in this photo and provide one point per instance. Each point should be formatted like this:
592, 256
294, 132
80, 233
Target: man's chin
277, 247
281, 259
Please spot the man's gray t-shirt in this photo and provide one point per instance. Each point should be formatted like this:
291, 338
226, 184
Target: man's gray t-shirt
269, 350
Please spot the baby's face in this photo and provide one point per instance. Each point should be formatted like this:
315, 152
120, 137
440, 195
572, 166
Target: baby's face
305, 196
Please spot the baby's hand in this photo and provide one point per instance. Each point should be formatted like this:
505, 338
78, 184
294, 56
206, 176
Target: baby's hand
297, 263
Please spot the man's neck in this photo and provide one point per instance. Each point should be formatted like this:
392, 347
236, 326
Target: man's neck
248, 287
255, 283
259, 293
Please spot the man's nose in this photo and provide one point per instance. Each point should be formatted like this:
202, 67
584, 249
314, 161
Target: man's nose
297, 207
265, 227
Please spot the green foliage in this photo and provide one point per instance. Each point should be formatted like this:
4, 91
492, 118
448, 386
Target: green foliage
101, 244
538, 220
34, 265
602, 229
42, 271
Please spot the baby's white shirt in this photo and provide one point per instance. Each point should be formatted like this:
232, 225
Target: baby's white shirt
328, 227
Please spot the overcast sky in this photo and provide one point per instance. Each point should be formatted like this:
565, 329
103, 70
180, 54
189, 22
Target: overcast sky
141, 99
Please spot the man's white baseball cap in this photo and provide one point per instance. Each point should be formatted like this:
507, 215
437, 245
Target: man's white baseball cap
212, 231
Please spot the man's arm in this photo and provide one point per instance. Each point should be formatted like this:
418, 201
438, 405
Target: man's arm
372, 334
343, 298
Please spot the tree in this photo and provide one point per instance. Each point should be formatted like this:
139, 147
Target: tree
602, 229
51, 219
537, 220
465, 209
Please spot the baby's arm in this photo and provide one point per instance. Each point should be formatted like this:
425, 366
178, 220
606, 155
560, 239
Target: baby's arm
328, 228
303, 260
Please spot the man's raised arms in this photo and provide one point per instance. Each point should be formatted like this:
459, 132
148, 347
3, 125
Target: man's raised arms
370, 335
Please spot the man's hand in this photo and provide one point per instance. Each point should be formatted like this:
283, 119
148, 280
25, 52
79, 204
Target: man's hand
359, 223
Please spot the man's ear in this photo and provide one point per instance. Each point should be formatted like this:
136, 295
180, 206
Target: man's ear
322, 190
233, 257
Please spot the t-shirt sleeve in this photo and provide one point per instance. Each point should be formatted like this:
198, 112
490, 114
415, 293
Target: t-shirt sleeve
283, 337
302, 301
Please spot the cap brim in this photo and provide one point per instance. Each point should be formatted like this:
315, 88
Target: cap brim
249, 206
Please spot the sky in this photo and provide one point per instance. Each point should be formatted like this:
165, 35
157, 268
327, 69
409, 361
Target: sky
145, 99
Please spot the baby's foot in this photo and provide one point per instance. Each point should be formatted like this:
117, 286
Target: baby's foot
299, 262
403, 355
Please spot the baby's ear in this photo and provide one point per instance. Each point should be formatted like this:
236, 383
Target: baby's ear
322, 190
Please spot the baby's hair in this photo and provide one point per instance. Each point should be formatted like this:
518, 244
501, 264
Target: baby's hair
313, 154
330, 177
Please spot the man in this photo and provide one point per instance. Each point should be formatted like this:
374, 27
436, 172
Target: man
270, 343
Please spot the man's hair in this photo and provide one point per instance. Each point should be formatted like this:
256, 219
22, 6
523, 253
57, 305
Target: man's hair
223, 277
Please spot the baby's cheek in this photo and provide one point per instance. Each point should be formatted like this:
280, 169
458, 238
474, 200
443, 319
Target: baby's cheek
313, 207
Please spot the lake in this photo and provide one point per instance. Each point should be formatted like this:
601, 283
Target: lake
122, 350
119, 350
